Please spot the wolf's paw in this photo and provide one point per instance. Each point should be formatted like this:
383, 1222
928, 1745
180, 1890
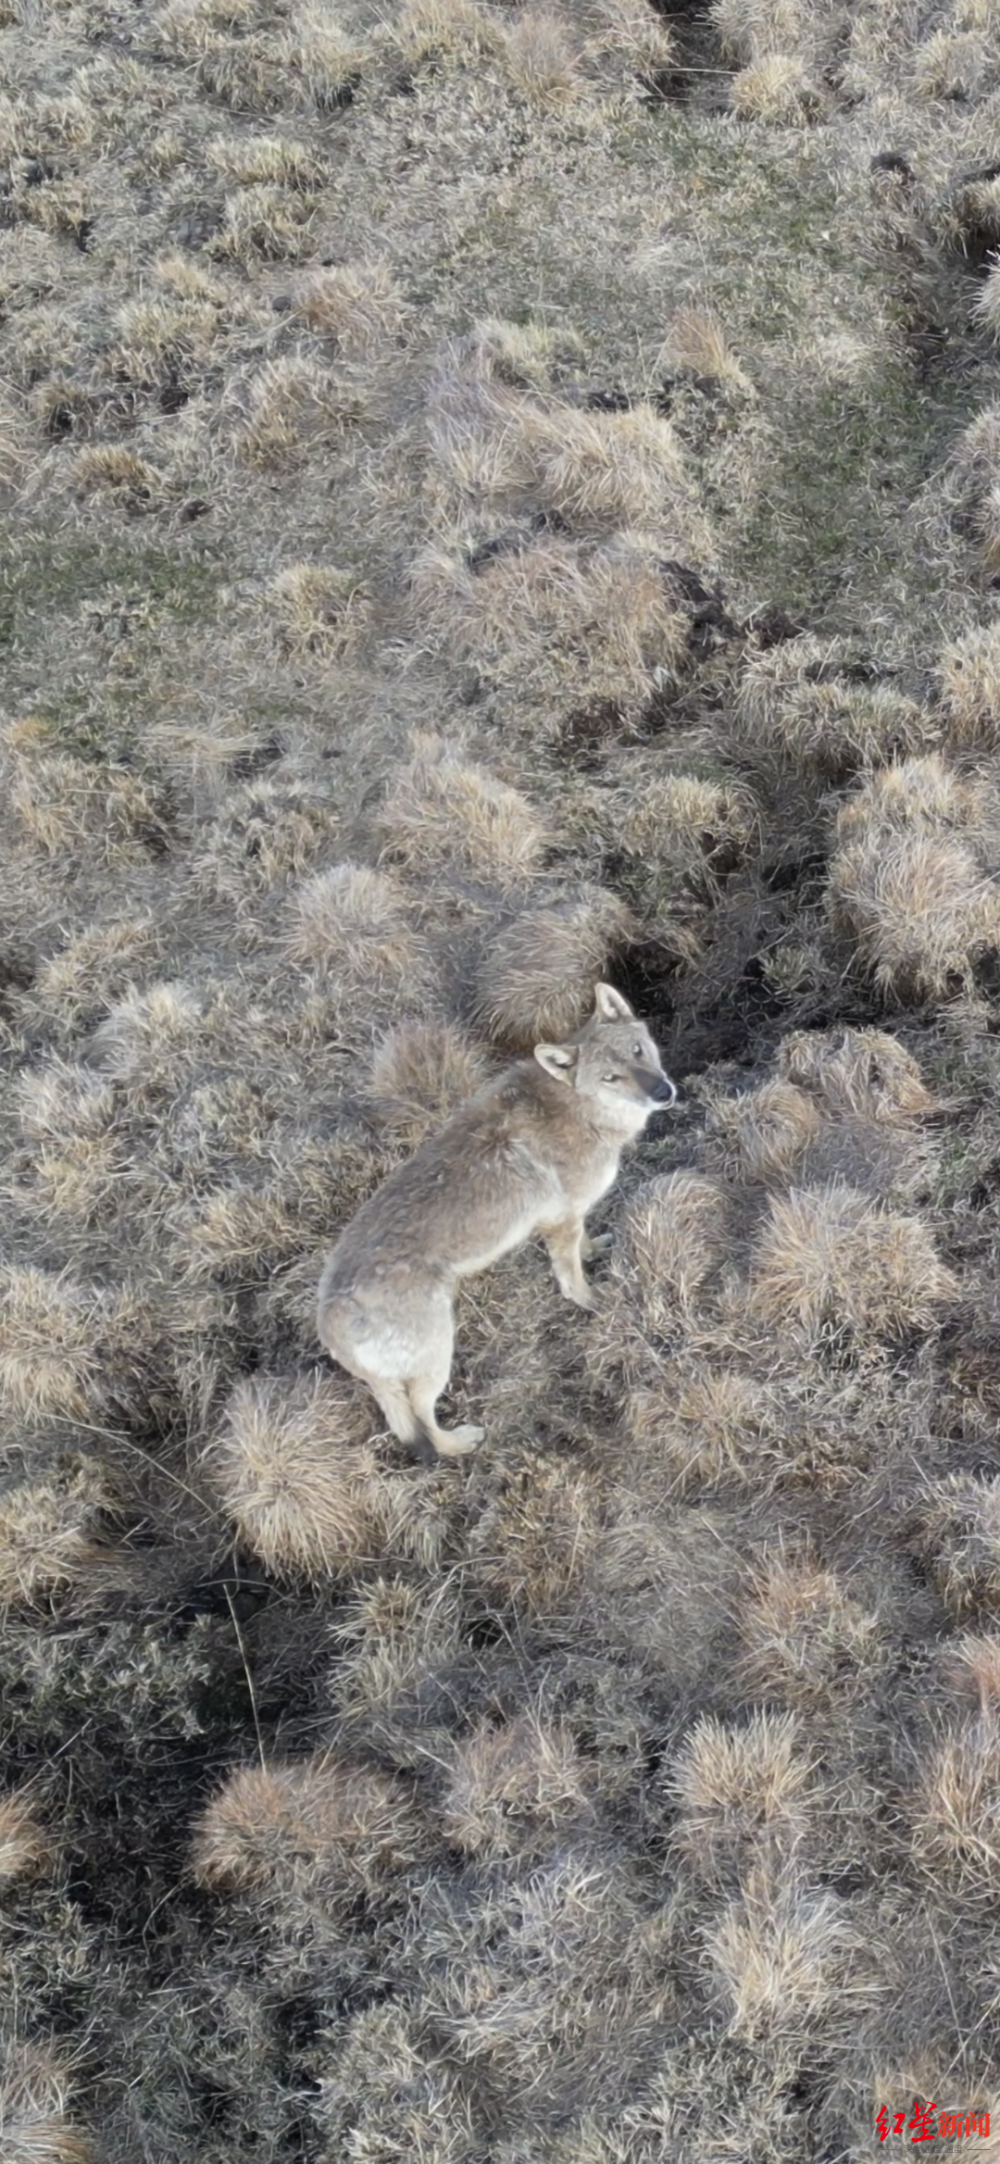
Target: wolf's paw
457, 1442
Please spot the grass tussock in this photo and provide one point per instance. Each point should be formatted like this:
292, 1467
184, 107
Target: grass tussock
745, 1794
970, 690
807, 1642
955, 1808
271, 1825
319, 610
421, 1072
763, 1133
960, 1523
909, 890
866, 1073
780, 1952
443, 810
673, 1237
294, 1470
355, 922
536, 976
26, 1846
50, 1345
50, 1534
37, 2092
359, 306
806, 703
827, 1259
505, 1782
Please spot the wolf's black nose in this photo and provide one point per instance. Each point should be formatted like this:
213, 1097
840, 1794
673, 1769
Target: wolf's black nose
665, 1093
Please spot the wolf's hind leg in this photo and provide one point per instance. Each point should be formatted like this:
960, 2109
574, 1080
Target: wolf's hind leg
399, 1414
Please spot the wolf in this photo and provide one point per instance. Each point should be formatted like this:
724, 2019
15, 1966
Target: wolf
532, 1152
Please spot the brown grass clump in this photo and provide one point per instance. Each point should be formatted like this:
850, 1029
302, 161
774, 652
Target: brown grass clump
780, 1951
269, 223
146, 1033
358, 305
777, 90
554, 620
691, 1423
532, 1543
36, 2093
986, 306
446, 30
801, 701
680, 834
970, 689
67, 804
906, 886
96, 966
390, 2093
271, 1826
49, 1534
50, 1350
264, 831
276, 159
697, 341
355, 921
394, 1641
973, 1663
625, 30
806, 1640
420, 1073
320, 610
961, 1525
294, 404
535, 979
673, 1235
109, 469
540, 58
749, 29
953, 64
762, 1132
744, 1793
504, 1782
827, 1258
956, 1807
294, 1469
25, 1844
865, 1072
441, 810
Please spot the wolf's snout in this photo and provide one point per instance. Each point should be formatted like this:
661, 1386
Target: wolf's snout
664, 1092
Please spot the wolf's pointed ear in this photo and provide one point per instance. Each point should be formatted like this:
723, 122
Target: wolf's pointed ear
611, 1006
558, 1060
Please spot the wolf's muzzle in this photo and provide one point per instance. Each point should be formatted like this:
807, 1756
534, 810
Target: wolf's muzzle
663, 1092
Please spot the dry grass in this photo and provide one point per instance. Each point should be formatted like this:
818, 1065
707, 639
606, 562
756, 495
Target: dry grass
37, 2089
803, 701
505, 1781
50, 1534
536, 976
780, 1952
864, 1072
970, 690
269, 1826
828, 1260
960, 1521
778, 91
807, 1641
745, 1794
419, 1074
763, 1133
444, 811
907, 889
295, 1472
26, 1846
356, 923
955, 1807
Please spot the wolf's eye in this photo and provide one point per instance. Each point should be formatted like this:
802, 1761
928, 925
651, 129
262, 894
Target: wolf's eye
611, 1078
637, 1051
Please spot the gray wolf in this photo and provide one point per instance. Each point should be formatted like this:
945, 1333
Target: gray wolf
532, 1152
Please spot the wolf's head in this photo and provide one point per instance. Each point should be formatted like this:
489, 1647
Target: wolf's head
613, 1061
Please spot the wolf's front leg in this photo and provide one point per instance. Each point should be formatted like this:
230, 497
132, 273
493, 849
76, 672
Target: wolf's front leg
565, 1243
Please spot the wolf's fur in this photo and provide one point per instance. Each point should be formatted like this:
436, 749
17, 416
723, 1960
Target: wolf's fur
532, 1152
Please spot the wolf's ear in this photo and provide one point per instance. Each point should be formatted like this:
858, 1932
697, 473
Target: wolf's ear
558, 1060
611, 1006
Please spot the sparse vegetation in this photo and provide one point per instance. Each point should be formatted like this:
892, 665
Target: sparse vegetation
496, 497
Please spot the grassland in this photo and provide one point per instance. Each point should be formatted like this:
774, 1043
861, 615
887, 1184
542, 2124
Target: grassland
496, 495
